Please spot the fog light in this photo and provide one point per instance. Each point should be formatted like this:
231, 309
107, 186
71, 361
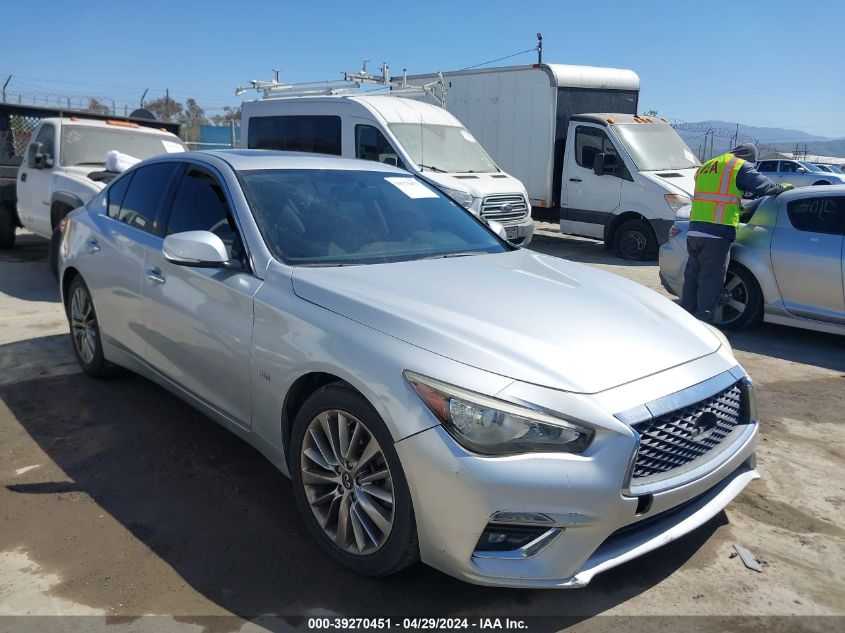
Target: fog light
507, 538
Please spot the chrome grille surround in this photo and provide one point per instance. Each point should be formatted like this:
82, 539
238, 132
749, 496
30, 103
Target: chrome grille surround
505, 207
673, 447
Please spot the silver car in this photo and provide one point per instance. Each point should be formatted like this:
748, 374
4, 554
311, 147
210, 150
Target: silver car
798, 173
786, 263
433, 391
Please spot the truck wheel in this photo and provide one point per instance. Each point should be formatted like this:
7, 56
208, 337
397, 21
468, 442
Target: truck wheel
8, 225
55, 242
635, 239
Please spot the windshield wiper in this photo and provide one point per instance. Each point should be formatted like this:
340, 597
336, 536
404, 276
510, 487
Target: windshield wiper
432, 168
92, 163
458, 254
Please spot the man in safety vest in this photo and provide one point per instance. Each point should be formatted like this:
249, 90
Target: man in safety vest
716, 207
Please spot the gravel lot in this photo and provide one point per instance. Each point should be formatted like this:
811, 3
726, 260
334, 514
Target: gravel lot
118, 500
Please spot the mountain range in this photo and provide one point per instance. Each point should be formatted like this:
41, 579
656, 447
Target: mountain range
769, 138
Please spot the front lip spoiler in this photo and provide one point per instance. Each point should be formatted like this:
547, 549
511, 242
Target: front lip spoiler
617, 551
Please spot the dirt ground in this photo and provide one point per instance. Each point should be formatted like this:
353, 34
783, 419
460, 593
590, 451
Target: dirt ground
118, 501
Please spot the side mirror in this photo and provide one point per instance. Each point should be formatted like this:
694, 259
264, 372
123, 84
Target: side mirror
389, 159
40, 159
801, 170
498, 228
200, 249
598, 164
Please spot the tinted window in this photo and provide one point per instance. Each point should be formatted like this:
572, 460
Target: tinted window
47, 137
116, 193
787, 166
200, 205
767, 165
818, 215
590, 141
320, 134
370, 144
143, 200
332, 217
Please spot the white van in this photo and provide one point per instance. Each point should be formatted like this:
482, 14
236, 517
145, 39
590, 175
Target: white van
421, 138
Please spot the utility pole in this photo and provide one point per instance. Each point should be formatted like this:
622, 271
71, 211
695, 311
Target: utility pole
539, 48
113, 110
232, 135
6, 83
141, 104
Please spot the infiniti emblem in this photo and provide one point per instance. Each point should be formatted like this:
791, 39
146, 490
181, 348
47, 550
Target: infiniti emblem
346, 478
704, 426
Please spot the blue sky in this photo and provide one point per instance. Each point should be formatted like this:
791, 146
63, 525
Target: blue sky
767, 63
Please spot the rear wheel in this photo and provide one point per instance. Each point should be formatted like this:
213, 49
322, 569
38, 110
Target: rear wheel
8, 226
85, 331
349, 483
635, 239
741, 301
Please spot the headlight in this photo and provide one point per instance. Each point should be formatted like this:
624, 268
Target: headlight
463, 198
495, 427
676, 202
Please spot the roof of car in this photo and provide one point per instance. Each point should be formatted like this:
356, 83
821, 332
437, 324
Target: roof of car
116, 124
249, 159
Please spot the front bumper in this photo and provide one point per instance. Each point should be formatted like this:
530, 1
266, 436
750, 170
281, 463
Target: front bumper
455, 494
524, 230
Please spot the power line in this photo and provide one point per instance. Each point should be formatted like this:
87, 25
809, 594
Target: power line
529, 50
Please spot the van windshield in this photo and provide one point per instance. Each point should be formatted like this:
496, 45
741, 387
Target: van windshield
444, 148
655, 147
88, 145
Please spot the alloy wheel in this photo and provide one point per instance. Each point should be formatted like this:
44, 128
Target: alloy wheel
733, 301
347, 482
83, 324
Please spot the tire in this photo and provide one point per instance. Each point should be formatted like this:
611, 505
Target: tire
741, 303
635, 239
8, 226
331, 492
85, 331
55, 243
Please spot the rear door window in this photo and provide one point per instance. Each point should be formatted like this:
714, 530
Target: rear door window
143, 200
788, 167
296, 133
116, 193
821, 214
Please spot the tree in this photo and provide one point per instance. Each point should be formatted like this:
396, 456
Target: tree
164, 108
229, 114
97, 107
191, 118
651, 112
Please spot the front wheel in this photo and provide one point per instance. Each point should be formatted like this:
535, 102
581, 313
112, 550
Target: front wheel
635, 239
349, 484
741, 301
8, 226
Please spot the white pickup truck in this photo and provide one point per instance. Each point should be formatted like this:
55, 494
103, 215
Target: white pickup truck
64, 166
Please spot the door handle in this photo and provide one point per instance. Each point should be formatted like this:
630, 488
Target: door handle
23, 177
92, 247
154, 275
574, 180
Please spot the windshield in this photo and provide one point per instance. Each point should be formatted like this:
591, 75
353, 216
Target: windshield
340, 217
87, 145
445, 148
811, 167
655, 147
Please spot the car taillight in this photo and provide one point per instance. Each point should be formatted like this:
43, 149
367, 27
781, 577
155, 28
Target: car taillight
62, 225
674, 230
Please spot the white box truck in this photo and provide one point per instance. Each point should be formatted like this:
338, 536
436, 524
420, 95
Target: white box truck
572, 136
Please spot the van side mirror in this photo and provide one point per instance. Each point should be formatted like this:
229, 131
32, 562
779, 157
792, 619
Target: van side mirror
598, 164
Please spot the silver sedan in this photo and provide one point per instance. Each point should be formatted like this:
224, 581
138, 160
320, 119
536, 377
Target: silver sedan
433, 391
786, 263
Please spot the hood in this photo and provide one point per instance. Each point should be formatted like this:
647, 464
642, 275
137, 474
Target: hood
78, 175
526, 316
681, 181
478, 185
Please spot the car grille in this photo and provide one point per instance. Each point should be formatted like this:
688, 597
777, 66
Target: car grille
504, 207
674, 439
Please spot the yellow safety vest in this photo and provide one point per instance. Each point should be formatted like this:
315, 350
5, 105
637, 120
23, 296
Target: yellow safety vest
717, 199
